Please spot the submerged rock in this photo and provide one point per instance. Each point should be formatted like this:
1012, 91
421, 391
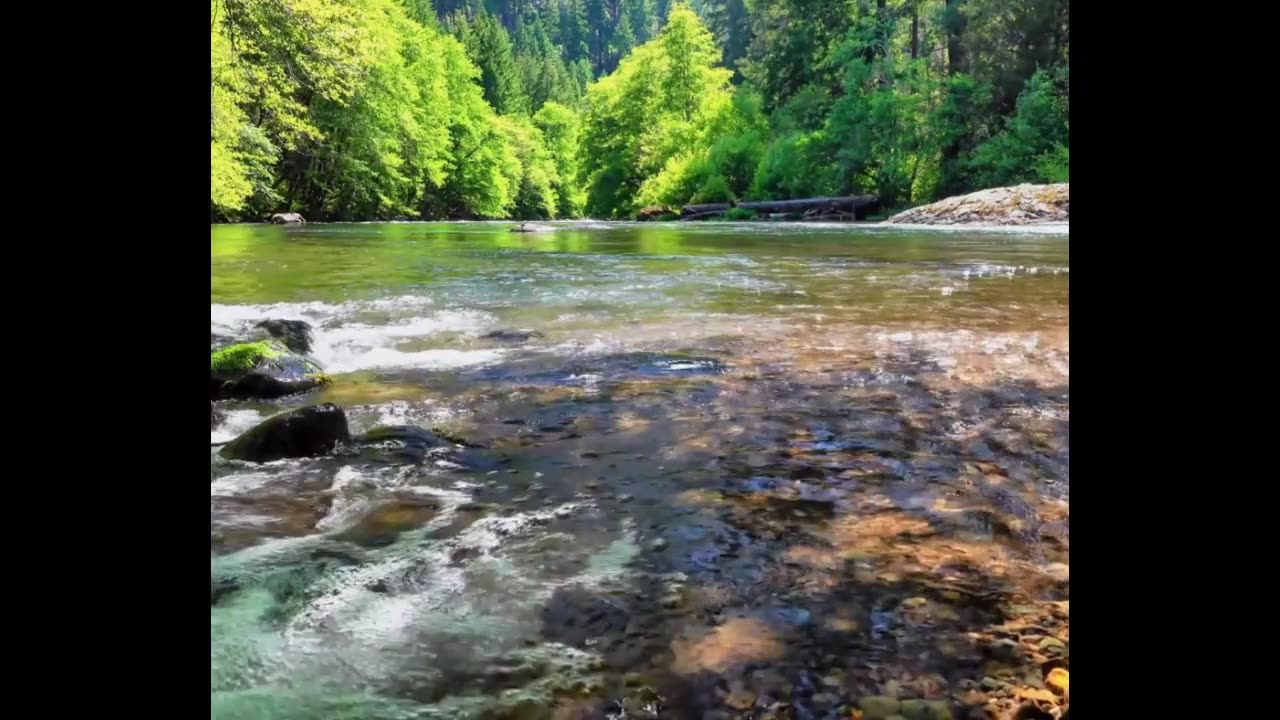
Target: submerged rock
215, 417
295, 334
287, 219
511, 335
1019, 205
402, 445
305, 432
531, 227
261, 370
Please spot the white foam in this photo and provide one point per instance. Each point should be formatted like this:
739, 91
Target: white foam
236, 422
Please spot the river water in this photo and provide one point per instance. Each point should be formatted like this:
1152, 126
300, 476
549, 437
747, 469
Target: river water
716, 470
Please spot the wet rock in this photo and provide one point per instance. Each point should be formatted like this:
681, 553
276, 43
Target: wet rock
526, 227
926, 710
382, 526
295, 334
574, 615
1031, 712
514, 336
1059, 681
403, 445
306, 432
658, 545
990, 683
740, 696
1050, 645
261, 370
289, 218
879, 707
220, 588
215, 416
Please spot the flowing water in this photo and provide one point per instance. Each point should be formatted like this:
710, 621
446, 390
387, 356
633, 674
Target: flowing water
720, 470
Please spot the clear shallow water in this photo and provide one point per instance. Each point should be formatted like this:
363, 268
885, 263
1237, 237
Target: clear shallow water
736, 465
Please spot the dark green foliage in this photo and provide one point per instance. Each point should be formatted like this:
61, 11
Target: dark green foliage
738, 213
1032, 147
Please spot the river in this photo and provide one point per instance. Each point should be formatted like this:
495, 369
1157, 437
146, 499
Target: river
720, 470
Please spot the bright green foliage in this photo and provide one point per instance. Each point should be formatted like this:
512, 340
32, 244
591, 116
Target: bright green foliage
372, 109
659, 103
533, 173
560, 131
1055, 165
736, 136
243, 357
795, 165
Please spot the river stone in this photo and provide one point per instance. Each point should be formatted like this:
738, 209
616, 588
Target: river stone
879, 707
289, 218
305, 432
295, 334
215, 417
1050, 645
402, 445
926, 710
261, 370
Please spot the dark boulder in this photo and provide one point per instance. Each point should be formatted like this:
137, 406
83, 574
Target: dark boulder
261, 370
295, 334
306, 432
287, 219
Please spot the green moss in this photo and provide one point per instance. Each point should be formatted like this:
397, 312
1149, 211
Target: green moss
322, 378
242, 357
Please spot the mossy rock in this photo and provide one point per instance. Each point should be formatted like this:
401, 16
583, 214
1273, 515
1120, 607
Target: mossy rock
261, 370
306, 432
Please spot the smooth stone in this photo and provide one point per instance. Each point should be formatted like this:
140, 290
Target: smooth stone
1049, 642
879, 707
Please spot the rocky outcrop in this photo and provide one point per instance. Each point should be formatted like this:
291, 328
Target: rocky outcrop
305, 432
1018, 205
261, 370
287, 219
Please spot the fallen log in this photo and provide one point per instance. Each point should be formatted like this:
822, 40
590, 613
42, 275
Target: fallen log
688, 210
704, 215
859, 206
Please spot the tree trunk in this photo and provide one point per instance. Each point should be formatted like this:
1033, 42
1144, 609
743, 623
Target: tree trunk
915, 32
956, 61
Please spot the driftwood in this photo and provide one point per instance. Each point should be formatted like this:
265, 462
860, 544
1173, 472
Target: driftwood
847, 207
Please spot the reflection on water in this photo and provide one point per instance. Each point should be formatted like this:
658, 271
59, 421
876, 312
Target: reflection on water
757, 470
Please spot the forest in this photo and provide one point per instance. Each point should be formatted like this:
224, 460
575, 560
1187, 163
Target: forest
538, 109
